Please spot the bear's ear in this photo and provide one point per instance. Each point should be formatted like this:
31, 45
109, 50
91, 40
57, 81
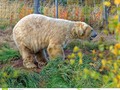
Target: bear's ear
80, 32
77, 31
73, 32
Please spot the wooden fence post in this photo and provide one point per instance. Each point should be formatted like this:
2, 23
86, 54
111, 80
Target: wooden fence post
36, 6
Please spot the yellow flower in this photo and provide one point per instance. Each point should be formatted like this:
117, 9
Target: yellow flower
103, 62
76, 49
111, 48
80, 61
101, 55
115, 66
118, 85
117, 46
116, 17
80, 54
118, 52
118, 76
117, 2
118, 28
109, 62
114, 71
107, 3
94, 58
71, 56
72, 61
86, 71
115, 51
118, 61
115, 80
93, 51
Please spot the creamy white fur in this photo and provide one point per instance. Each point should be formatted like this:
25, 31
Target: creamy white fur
36, 32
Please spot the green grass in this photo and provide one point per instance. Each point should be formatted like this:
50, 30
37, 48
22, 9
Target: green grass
4, 24
56, 74
6, 54
85, 45
16, 78
2, 27
61, 74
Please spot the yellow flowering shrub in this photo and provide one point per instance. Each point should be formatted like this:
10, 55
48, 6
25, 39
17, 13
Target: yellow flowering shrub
76, 53
109, 57
76, 49
105, 60
117, 2
107, 3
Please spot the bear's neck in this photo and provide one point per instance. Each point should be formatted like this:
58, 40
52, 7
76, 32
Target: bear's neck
72, 33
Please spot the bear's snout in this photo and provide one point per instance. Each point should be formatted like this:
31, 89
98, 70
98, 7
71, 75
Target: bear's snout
93, 34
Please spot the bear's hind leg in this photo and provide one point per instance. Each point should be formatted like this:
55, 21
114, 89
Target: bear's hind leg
41, 59
28, 57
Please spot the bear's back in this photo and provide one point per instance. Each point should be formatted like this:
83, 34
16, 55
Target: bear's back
36, 30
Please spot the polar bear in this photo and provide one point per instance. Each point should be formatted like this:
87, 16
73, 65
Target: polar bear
35, 32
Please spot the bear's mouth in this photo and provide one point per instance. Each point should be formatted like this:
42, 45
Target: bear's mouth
91, 38
93, 35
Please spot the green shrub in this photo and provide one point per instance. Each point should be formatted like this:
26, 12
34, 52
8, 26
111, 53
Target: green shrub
83, 45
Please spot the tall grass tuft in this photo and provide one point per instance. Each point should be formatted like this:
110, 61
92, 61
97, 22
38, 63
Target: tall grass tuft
16, 78
62, 74
7, 54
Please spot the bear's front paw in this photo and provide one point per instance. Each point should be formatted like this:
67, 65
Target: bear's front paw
29, 65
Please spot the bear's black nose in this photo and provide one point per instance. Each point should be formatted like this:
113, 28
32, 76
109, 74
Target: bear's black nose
93, 34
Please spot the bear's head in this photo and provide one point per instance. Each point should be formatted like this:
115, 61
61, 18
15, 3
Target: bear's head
81, 30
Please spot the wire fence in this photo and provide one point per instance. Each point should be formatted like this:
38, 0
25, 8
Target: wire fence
89, 11
13, 10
